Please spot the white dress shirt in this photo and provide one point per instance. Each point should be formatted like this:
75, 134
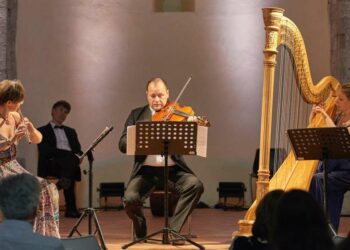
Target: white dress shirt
157, 160
61, 138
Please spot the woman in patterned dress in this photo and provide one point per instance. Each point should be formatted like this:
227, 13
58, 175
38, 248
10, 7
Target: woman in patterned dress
14, 127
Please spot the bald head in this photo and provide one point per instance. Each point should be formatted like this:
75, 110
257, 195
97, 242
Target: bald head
157, 93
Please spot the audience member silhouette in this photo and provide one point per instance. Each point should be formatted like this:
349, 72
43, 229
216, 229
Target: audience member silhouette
262, 226
300, 224
344, 244
19, 200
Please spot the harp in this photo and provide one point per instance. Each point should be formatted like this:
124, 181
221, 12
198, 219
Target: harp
282, 33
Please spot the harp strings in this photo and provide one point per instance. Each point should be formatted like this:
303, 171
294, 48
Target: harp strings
289, 108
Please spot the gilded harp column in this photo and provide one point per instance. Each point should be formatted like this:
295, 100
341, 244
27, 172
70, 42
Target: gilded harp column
272, 20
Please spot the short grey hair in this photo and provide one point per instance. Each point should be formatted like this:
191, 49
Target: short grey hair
156, 80
19, 196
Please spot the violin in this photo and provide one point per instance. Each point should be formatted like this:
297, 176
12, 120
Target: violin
173, 111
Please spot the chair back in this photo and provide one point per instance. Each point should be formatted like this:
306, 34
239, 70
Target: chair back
275, 153
112, 189
88, 242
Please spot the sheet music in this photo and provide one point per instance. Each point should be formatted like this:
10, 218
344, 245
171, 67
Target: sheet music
201, 143
131, 140
202, 140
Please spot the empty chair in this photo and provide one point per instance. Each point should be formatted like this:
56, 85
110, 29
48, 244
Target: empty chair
232, 189
111, 189
277, 156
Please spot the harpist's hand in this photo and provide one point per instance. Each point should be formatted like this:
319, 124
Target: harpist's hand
319, 109
327, 118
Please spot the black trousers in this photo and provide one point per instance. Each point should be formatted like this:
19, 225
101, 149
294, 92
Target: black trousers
338, 184
67, 166
188, 187
69, 198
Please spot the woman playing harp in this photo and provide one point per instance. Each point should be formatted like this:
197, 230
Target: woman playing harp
13, 127
338, 170
288, 95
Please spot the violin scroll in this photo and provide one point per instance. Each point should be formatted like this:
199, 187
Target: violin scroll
202, 121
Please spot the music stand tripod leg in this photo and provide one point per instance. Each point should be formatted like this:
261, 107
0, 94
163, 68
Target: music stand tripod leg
160, 145
148, 237
90, 211
75, 227
166, 230
179, 236
325, 195
98, 228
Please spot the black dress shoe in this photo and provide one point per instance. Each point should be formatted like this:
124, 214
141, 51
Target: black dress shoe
63, 183
177, 241
140, 238
72, 214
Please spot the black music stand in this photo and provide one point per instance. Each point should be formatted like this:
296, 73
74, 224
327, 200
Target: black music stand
165, 138
90, 211
321, 144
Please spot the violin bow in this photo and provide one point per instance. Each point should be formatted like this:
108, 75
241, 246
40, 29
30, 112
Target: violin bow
178, 97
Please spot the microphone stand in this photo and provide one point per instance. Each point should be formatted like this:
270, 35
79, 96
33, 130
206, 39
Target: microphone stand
90, 211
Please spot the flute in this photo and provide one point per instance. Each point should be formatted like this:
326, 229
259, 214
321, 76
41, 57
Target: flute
26, 132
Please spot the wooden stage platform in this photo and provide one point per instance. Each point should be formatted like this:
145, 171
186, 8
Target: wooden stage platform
213, 228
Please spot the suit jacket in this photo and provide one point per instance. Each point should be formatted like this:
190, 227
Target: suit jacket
19, 235
48, 153
144, 114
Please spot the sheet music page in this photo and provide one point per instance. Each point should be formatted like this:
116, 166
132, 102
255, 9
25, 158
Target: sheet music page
202, 140
131, 140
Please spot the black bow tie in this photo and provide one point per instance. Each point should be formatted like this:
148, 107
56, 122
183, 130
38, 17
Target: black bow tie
58, 126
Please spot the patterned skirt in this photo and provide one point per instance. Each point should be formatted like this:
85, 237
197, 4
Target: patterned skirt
46, 221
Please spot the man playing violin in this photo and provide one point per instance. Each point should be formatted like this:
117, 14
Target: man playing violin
148, 171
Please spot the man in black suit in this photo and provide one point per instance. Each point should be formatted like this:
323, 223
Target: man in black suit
58, 155
148, 171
